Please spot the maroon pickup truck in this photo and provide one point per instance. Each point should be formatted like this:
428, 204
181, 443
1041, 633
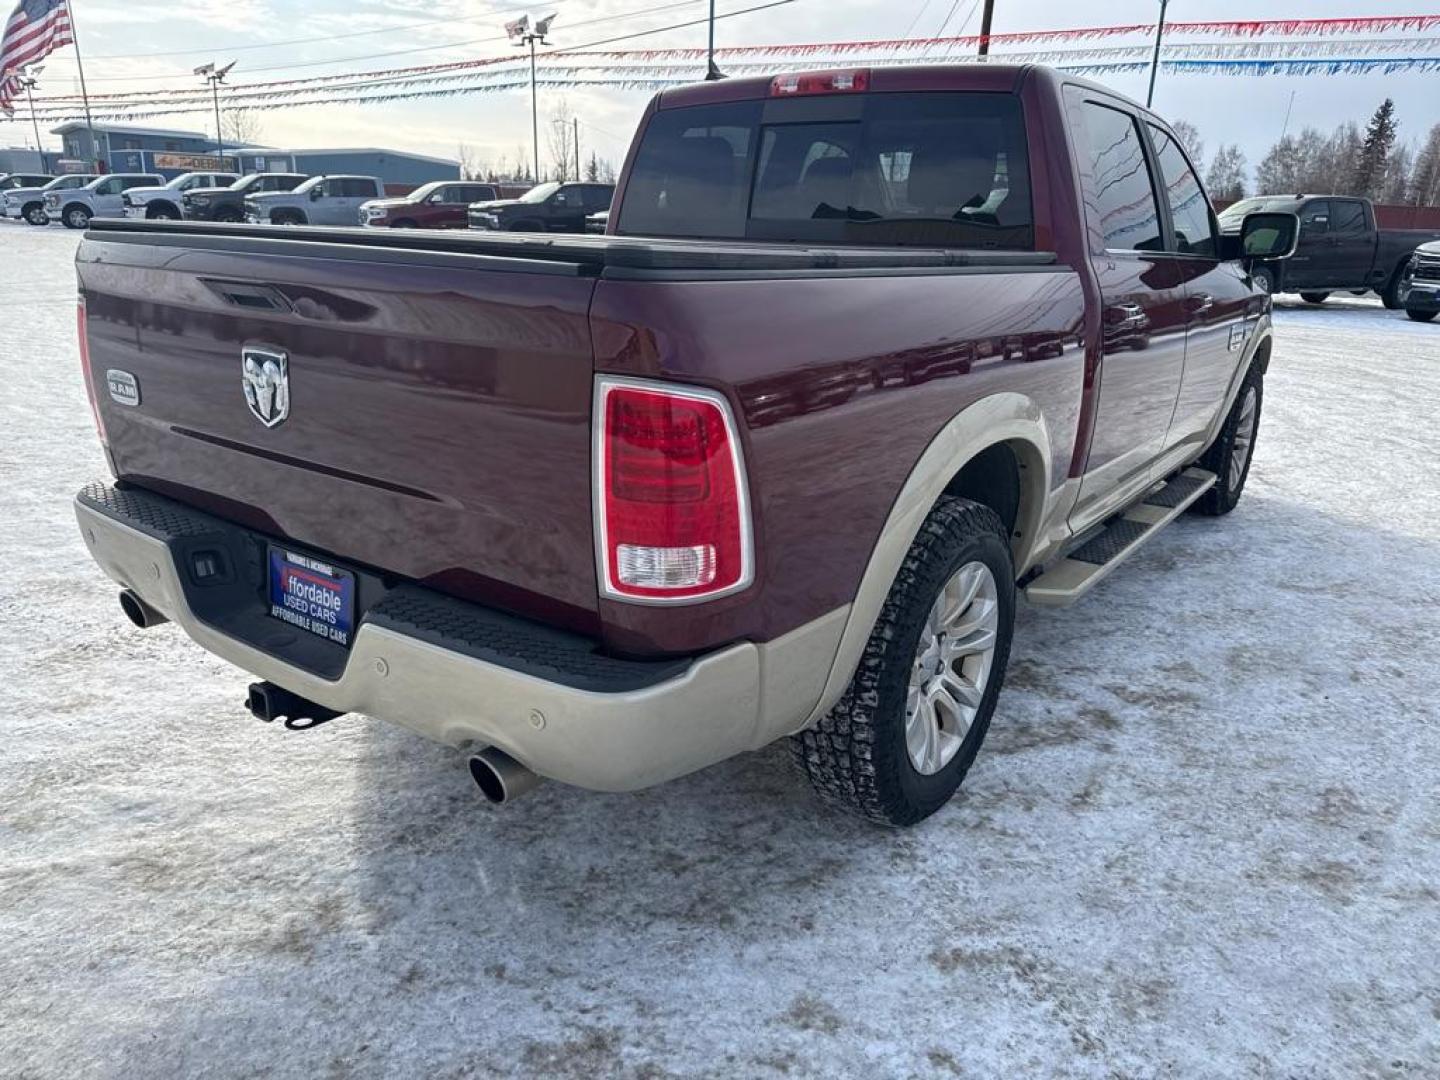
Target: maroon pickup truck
438, 205
864, 357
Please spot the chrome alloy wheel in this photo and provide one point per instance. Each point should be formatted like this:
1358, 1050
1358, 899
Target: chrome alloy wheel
1244, 438
952, 667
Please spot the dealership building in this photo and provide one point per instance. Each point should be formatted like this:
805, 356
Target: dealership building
125, 148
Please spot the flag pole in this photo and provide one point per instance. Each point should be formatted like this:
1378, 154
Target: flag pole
84, 95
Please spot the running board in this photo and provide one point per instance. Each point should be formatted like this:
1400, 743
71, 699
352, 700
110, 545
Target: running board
1085, 567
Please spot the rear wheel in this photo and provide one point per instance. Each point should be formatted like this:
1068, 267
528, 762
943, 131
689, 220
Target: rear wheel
35, 214
1420, 316
902, 737
76, 217
1229, 456
1390, 295
1314, 297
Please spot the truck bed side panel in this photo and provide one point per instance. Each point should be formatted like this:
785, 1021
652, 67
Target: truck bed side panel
840, 384
439, 415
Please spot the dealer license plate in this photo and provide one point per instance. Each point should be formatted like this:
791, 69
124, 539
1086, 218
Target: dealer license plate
312, 595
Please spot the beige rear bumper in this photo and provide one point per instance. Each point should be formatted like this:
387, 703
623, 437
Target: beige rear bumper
739, 698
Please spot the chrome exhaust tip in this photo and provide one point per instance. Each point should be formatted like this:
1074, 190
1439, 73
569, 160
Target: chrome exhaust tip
500, 777
138, 611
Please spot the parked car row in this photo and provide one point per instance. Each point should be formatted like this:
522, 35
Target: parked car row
297, 199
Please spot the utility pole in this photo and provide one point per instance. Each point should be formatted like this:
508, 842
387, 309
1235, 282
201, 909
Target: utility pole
520, 33
28, 80
1285, 127
985, 19
1155, 57
576, 121
215, 76
711, 71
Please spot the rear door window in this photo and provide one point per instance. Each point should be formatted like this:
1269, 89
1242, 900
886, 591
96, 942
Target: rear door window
1122, 197
1347, 216
932, 169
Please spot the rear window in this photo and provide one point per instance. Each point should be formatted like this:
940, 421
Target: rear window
938, 170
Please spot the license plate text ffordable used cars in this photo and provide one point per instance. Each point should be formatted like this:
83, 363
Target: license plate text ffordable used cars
864, 359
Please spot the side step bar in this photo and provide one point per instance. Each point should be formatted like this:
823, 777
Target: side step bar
1085, 567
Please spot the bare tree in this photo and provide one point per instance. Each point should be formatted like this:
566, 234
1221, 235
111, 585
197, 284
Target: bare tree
242, 127
1396, 183
1189, 136
558, 141
472, 165
1425, 179
1226, 178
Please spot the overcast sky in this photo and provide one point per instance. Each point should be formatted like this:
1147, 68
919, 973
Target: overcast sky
257, 33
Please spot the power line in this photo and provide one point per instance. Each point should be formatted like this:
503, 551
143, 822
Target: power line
411, 51
311, 40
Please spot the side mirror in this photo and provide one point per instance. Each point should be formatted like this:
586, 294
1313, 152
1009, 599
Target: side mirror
559, 198
1269, 236
316, 192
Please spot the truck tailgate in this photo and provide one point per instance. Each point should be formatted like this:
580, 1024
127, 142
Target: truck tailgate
439, 404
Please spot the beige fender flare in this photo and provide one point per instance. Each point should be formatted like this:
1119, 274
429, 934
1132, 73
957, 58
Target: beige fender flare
1002, 418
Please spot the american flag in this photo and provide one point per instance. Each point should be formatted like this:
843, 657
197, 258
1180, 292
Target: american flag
35, 29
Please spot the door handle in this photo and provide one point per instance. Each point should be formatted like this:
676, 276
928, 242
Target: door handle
1124, 315
1200, 303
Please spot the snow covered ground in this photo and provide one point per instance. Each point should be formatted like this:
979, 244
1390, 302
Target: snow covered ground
1203, 838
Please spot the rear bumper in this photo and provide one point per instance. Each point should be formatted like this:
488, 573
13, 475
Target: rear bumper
462, 675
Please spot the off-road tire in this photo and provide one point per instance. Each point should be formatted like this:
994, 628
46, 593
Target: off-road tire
855, 756
1420, 316
1314, 297
1221, 498
1264, 279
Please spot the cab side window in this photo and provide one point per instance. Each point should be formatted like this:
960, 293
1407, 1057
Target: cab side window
1189, 209
1122, 199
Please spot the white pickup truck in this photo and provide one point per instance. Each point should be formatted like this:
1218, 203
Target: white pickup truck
99, 198
165, 203
28, 203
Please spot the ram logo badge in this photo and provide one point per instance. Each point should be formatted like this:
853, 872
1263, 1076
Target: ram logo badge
124, 387
265, 374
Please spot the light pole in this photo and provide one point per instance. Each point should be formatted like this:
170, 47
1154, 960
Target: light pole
521, 34
215, 76
1155, 57
28, 80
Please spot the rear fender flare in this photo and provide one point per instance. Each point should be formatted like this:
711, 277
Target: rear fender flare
1007, 418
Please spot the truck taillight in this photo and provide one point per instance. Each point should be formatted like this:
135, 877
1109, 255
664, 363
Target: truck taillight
83, 334
821, 82
673, 518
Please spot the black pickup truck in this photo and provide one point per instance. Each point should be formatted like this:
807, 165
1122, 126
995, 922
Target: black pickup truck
228, 203
1340, 248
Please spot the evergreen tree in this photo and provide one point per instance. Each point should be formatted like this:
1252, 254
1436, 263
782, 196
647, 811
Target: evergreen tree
1368, 170
1396, 184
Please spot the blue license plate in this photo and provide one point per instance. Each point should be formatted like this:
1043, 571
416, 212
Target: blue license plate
312, 595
